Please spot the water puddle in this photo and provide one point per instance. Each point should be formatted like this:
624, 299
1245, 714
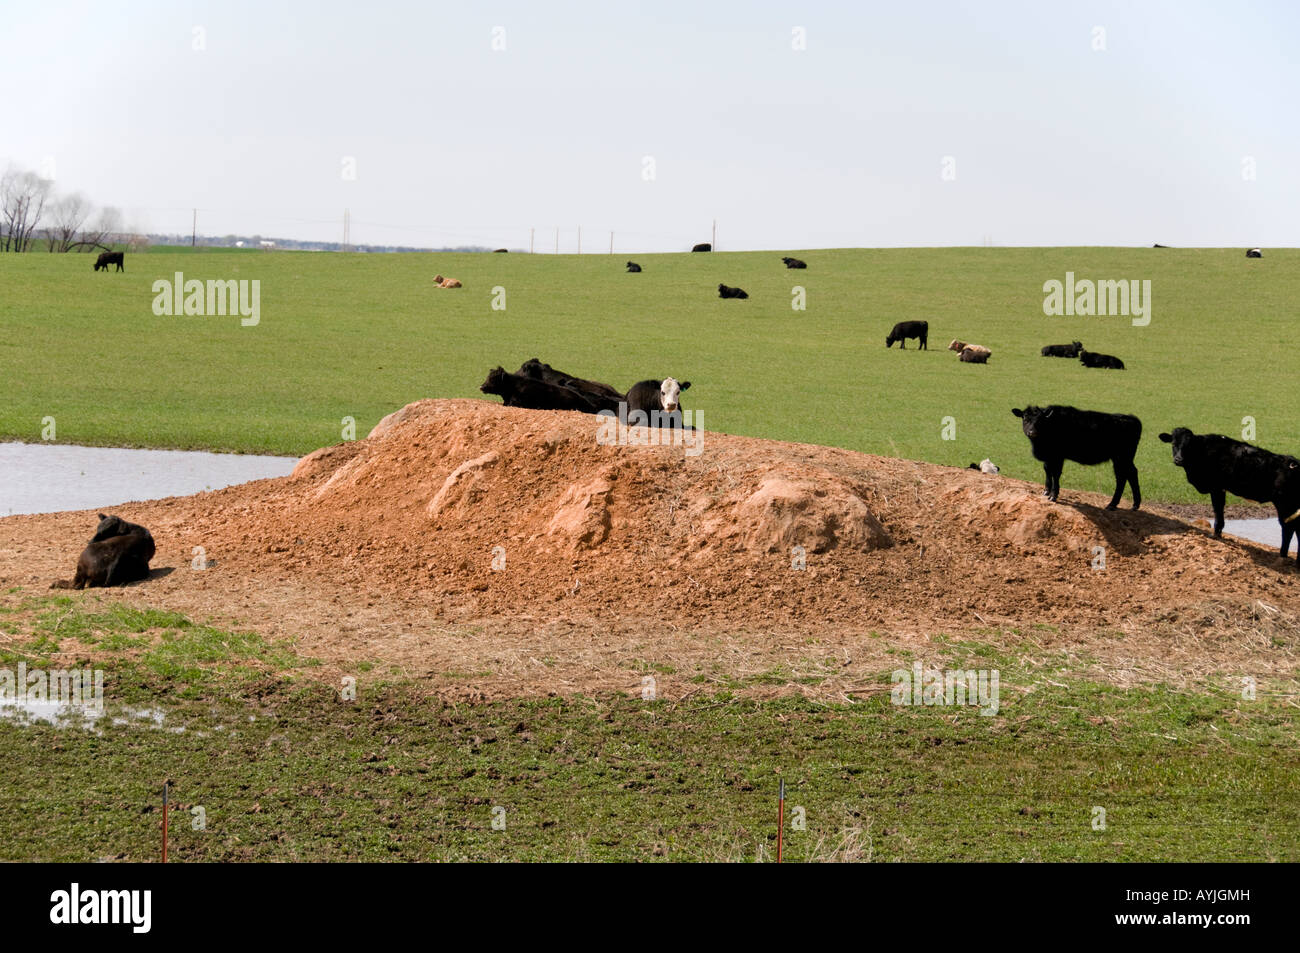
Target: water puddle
47, 478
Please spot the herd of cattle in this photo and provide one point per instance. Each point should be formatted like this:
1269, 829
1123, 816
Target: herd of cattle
119, 552
968, 353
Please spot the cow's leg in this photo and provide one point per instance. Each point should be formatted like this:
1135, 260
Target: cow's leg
1287, 532
1053, 470
1217, 499
1133, 484
1121, 476
925, 343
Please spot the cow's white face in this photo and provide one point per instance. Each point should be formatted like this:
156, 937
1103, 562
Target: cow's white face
670, 394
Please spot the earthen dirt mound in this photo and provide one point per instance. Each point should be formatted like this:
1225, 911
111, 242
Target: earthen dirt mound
466, 510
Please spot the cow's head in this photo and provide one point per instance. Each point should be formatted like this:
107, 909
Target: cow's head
1032, 419
1181, 439
957, 346
110, 526
495, 379
1078, 345
670, 394
437, 279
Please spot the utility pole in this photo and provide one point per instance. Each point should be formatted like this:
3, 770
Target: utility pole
611, 243
347, 228
194, 229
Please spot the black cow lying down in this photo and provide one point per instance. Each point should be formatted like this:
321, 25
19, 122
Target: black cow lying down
1093, 359
727, 292
794, 263
633, 267
110, 258
1057, 433
118, 553
1063, 350
703, 246
515, 390
1219, 465
544, 372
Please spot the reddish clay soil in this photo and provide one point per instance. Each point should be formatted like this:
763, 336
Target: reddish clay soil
620, 560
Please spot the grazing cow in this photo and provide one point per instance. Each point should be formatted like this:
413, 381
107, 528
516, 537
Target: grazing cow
794, 263
1219, 465
725, 292
118, 553
985, 466
110, 258
633, 268
974, 354
703, 246
517, 391
440, 282
1254, 253
538, 371
909, 329
655, 398
1058, 433
1093, 359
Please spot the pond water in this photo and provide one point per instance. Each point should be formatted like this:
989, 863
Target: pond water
46, 478
1268, 532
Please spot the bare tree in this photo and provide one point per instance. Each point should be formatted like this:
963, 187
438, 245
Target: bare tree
22, 203
105, 229
67, 216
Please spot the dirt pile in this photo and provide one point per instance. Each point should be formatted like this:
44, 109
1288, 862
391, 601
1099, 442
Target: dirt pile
504, 550
489, 510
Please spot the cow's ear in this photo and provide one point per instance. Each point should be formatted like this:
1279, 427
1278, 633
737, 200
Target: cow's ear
102, 516
1017, 412
684, 385
1167, 438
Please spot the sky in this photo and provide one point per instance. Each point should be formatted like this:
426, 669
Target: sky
809, 125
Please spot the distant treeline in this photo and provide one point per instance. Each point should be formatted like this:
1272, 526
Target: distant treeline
255, 241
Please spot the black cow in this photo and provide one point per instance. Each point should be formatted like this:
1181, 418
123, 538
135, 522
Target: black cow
500, 251
1093, 359
1254, 253
118, 553
110, 258
518, 391
726, 292
1158, 245
703, 246
909, 329
633, 267
1058, 433
1063, 350
1218, 465
544, 372
794, 263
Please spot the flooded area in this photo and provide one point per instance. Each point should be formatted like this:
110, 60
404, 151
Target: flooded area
47, 478
1266, 532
